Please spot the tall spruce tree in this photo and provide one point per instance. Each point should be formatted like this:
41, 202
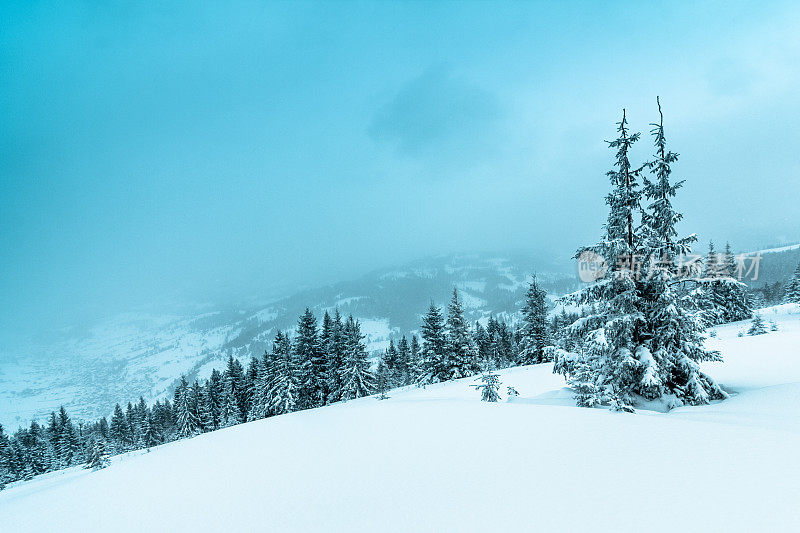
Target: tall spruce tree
535, 331
640, 339
5, 459
718, 297
186, 410
311, 359
434, 351
357, 379
415, 361
283, 395
403, 362
792, 293
461, 354
98, 457
334, 356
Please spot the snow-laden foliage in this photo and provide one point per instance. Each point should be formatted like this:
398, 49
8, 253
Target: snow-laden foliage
535, 331
792, 294
757, 327
98, 457
638, 337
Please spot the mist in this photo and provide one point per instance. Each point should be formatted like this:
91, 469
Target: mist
173, 155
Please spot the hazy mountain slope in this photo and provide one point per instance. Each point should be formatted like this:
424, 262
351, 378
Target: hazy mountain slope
89, 370
511, 466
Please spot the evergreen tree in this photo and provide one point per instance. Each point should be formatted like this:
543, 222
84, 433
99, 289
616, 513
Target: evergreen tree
334, 356
98, 457
283, 394
263, 385
415, 366
713, 265
118, 429
390, 361
233, 384
434, 347
204, 408
186, 410
757, 327
249, 384
461, 354
5, 459
792, 293
382, 379
640, 338
489, 387
404, 364
535, 333
728, 262
357, 380
312, 363
151, 435
67, 445
490, 383
214, 393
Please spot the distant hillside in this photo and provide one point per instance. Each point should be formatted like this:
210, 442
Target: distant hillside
89, 370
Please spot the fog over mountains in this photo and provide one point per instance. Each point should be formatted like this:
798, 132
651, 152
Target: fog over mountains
90, 368
142, 354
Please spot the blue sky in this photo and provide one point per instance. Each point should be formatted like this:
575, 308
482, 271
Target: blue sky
194, 151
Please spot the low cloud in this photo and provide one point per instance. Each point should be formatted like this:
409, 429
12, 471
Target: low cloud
437, 113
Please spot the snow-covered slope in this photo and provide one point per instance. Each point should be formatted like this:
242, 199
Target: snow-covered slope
90, 369
437, 459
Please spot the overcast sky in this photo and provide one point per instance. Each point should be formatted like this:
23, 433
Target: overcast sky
183, 153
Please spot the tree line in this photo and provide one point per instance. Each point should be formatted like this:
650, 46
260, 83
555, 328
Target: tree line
317, 365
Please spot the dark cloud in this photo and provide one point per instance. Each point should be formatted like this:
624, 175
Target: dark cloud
437, 112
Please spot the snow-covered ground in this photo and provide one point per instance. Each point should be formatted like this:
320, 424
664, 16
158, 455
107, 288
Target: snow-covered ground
437, 459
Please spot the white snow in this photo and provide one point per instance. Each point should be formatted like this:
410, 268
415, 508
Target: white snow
438, 459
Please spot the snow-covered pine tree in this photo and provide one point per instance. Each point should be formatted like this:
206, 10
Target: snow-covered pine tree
286, 377
792, 293
382, 379
640, 339
357, 380
334, 357
229, 414
214, 393
204, 411
669, 358
718, 297
403, 362
434, 347
152, 435
461, 358
186, 410
249, 383
481, 338
118, 429
757, 327
233, 384
261, 390
67, 439
390, 361
728, 262
98, 456
415, 361
489, 387
5, 459
713, 265
535, 331
490, 383
309, 356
